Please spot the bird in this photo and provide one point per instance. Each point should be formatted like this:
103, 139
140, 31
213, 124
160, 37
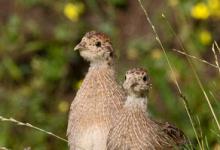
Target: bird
99, 97
134, 129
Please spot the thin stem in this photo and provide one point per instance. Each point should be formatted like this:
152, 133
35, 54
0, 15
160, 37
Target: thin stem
196, 58
216, 44
200, 132
3, 119
215, 56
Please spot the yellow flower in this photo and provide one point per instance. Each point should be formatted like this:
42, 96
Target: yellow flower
205, 37
63, 106
156, 54
73, 10
214, 6
200, 11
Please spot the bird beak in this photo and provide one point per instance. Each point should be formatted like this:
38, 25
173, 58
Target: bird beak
79, 46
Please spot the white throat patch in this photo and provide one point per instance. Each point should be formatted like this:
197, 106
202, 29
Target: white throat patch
134, 102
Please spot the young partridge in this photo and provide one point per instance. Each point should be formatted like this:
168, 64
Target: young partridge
99, 98
134, 129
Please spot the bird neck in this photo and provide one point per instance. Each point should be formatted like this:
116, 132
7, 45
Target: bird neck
133, 102
100, 65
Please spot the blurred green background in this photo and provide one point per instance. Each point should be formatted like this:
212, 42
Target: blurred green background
40, 73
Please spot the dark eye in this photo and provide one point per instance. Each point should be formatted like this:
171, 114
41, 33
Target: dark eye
98, 44
125, 77
144, 78
111, 54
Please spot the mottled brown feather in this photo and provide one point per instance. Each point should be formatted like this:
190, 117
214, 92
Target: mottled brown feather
175, 133
135, 131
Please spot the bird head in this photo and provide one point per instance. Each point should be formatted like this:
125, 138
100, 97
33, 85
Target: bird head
137, 82
96, 47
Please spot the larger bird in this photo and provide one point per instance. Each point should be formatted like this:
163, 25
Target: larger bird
99, 98
134, 129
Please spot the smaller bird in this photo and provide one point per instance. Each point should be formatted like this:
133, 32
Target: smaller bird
133, 128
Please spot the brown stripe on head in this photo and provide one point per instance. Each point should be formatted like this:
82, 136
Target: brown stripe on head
99, 35
137, 70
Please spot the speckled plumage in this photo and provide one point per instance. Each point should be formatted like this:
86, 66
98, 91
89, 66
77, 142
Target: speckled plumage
134, 129
97, 101
175, 133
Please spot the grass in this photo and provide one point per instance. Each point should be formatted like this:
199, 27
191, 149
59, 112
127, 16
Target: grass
197, 76
215, 55
201, 145
196, 58
12, 120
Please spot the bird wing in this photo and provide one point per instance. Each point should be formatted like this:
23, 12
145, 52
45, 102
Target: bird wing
134, 130
175, 133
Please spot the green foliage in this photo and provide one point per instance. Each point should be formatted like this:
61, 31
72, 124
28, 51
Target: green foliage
118, 3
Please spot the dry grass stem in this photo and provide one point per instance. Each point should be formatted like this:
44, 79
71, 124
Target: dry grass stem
217, 46
3, 119
196, 58
215, 55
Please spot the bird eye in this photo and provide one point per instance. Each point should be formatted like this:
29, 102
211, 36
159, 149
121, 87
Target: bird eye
111, 54
98, 44
144, 78
125, 77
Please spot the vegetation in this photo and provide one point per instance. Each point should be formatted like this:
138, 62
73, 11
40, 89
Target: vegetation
176, 40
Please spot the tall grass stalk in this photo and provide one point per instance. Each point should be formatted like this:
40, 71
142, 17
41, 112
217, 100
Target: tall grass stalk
195, 73
200, 132
206, 143
217, 46
215, 55
12, 120
196, 58
3, 119
218, 135
171, 68
213, 96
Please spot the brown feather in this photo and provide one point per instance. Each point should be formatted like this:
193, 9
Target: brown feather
135, 131
97, 102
